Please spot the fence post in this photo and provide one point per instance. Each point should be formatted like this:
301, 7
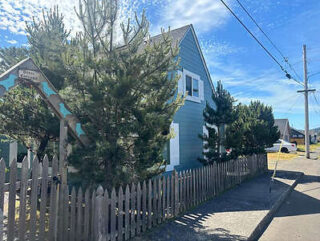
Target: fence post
2, 181
12, 200
1, 224
120, 217
265, 162
176, 193
99, 226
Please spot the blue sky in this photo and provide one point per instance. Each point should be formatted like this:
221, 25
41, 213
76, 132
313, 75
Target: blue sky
231, 54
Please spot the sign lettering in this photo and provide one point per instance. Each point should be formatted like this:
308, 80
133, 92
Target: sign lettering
30, 75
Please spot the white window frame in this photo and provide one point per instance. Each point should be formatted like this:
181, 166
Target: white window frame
182, 86
174, 148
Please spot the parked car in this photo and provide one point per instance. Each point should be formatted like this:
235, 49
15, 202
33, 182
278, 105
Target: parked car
285, 146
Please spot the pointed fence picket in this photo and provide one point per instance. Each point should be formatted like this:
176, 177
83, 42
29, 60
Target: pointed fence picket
23, 199
33, 203
12, 201
138, 209
44, 191
144, 206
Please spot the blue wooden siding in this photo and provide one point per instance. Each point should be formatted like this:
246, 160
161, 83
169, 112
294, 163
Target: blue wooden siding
190, 116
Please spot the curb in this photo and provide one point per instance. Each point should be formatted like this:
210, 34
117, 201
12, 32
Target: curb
264, 223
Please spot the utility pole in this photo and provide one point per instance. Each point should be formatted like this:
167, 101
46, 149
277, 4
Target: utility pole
306, 104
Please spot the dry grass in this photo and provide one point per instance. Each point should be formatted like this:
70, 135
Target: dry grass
313, 147
273, 157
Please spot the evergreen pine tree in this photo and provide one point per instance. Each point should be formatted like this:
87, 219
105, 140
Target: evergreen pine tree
215, 119
124, 94
11, 56
253, 130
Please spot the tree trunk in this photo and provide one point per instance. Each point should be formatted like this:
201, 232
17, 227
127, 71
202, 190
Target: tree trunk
42, 147
219, 142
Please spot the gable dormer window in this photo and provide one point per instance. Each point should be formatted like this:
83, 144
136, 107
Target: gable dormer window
191, 85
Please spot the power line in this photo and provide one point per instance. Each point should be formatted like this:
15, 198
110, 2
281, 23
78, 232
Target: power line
261, 45
315, 97
314, 108
272, 43
313, 74
294, 103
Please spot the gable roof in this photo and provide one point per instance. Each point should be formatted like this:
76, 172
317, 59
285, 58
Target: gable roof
282, 124
202, 57
296, 132
177, 35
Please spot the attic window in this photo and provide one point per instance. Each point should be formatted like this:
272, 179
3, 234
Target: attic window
192, 86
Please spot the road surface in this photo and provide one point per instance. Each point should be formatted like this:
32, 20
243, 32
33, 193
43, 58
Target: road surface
299, 217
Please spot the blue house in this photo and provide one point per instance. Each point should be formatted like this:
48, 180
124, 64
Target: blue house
186, 147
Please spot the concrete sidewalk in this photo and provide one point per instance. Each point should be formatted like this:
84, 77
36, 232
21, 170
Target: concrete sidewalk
299, 217
232, 216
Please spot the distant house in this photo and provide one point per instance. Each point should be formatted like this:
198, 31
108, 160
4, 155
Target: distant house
315, 137
284, 128
4, 148
195, 83
297, 136
10, 150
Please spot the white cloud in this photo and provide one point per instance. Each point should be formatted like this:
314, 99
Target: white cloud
205, 15
270, 87
14, 13
25, 45
12, 41
216, 48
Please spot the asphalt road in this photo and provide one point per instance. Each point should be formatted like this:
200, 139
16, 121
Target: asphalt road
299, 217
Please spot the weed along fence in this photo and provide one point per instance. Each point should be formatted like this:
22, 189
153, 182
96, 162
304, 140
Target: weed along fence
41, 209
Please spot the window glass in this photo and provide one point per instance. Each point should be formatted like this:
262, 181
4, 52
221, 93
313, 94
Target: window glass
189, 84
195, 87
278, 141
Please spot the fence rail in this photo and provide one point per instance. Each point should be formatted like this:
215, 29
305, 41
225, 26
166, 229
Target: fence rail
41, 209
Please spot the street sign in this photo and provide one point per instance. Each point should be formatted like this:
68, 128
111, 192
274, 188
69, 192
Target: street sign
30, 75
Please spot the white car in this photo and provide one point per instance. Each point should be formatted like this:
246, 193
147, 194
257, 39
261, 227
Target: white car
285, 147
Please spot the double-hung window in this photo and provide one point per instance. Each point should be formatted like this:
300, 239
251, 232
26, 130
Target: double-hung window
191, 85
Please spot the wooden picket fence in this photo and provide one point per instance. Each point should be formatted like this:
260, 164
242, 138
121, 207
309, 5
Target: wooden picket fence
41, 208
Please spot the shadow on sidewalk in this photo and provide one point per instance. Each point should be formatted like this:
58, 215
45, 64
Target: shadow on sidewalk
229, 216
189, 227
301, 203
